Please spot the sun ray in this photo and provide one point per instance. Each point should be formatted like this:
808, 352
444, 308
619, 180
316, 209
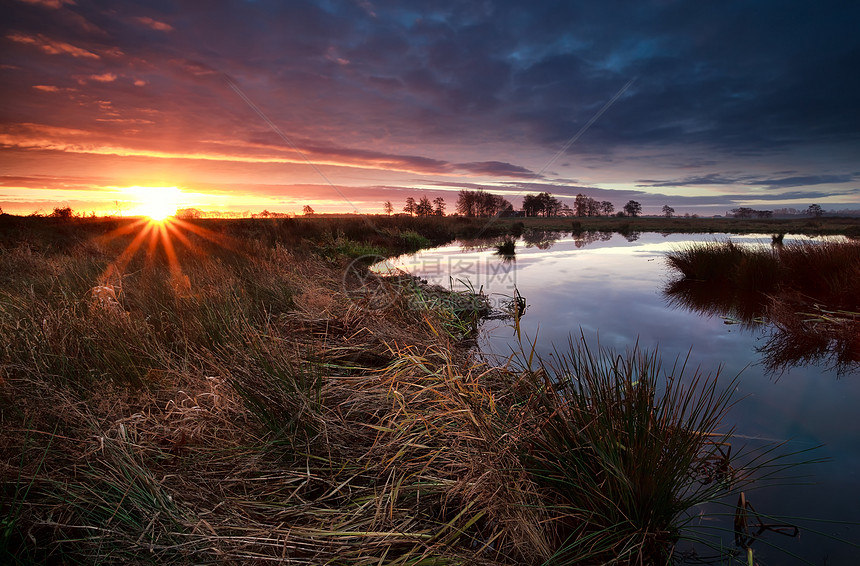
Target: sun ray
158, 240
177, 233
118, 266
213, 237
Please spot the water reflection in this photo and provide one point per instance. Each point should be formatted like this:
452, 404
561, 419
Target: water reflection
507, 250
610, 290
478, 244
583, 238
545, 239
542, 239
830, 339
736, 305
798, 331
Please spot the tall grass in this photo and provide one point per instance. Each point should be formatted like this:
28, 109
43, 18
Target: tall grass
250, 407
825, 272
624, 452
807, 291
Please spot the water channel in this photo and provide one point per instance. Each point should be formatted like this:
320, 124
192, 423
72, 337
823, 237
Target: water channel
611, 289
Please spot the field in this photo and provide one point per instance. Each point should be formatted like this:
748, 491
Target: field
849, 226
246, 391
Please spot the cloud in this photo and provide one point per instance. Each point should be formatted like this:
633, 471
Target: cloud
694, 181
804, 181
55, 4
51, 46
496, 168
103, 78
154, 24
749, 180
44, 137
451, 90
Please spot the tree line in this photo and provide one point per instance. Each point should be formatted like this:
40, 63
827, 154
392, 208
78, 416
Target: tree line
479, 203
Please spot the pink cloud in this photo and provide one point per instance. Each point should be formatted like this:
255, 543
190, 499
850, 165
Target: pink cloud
55, 4
51, 46
154, 24
104, 77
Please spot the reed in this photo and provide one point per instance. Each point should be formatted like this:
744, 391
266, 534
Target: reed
507, 248
623, 451
806, 291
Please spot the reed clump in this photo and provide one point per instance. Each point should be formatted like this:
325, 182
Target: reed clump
238, 399
507, 248
807, 291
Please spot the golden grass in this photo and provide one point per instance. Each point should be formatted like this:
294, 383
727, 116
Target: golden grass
261, 406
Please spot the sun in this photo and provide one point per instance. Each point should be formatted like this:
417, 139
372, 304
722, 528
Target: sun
156, 203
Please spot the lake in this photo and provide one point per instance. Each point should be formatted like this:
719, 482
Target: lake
611, 289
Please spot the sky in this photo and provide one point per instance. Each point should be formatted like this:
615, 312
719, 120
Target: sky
343, 105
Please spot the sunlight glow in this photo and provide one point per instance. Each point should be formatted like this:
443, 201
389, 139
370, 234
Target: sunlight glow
157, 203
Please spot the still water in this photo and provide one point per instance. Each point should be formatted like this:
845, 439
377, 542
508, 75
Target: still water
611, 290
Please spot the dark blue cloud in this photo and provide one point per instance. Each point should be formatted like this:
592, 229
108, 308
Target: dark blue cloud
805, 181
750, 180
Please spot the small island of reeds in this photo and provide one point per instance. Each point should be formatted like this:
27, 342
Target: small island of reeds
808, 291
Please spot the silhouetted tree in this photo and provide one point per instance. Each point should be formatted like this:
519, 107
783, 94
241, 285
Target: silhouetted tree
531, 205
424, 208
388, 208
439, 202
668, 211
307, 210
633, 208
814, 210
482, 203
607, 208
745, 212
64, 212
187, 213
579, 205
410, 206
586, 206
541, 204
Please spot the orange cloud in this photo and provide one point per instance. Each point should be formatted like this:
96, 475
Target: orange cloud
51, 46
104, 78
18, 129
47, 88
125, 120
55, 4
154, 24
31, 136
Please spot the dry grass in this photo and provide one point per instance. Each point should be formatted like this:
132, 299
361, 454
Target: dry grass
261, 406
808, 292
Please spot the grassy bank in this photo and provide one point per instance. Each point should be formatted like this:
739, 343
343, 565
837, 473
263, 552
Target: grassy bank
808, 292
244, 391
848, 226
